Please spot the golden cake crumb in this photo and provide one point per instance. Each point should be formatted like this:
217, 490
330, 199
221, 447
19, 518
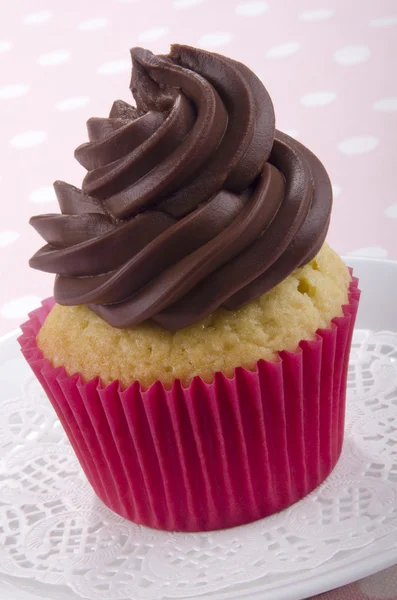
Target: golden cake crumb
73, 336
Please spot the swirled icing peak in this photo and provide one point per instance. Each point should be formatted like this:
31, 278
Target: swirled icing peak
192, 200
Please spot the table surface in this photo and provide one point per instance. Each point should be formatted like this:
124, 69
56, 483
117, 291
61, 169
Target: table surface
327, 65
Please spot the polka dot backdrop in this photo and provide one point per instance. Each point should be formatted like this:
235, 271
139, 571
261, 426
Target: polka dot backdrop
328, 67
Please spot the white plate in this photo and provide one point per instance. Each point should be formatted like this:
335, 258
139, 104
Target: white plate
58, 541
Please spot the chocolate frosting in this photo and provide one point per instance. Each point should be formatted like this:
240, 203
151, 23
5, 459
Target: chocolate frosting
192, 200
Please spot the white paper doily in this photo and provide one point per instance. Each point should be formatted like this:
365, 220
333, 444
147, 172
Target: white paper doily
54, 531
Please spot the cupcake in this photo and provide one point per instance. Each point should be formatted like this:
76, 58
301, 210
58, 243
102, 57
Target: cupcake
197, 345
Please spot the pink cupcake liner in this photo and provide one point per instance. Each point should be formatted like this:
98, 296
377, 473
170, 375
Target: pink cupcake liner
207, 456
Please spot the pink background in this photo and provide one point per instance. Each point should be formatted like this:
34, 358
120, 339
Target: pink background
327, 65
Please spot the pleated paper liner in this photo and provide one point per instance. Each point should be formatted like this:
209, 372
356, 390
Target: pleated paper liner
207, 456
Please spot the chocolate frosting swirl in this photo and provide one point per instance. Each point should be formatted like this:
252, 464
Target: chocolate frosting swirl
192, 200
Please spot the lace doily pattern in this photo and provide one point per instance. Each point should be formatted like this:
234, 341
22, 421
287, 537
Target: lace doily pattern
53, 529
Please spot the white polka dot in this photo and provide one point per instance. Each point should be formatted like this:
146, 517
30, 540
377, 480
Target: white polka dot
318, 14
386, 104
37, 17
352, 55
114, 66
372, 251
72, 103
8, 237
19, 307
391, 211
318, 98
54, 58
181, 4
43, 195
5, 46
358, 144
283, 50
93, 24
251, 9
214, 40
28, 139
13, 90
336, 190
292, 132
384, 21
155, 33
